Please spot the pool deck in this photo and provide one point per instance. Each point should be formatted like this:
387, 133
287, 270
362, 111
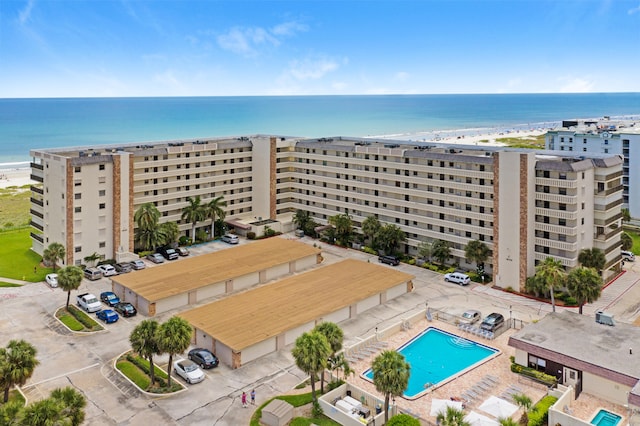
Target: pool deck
584, 408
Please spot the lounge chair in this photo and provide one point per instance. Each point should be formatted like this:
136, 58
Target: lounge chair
484, 386
492, 379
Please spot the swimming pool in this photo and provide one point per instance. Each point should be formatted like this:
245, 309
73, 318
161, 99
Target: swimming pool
606, 418
436, 357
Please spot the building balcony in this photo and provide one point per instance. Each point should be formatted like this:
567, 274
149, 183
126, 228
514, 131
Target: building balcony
557, 198
556, 229
37, 178
558, 245
560, 214
37, 237
37, 225
568, 262
556, 183
36, 202
37, 190
36, 213
37, 166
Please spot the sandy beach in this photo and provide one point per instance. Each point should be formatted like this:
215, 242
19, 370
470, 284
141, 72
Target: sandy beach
15, 177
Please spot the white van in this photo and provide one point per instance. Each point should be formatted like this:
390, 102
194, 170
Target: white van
628, 256
230, 239
458, 278
92, 274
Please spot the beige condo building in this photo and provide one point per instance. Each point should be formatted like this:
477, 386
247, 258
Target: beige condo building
524, 204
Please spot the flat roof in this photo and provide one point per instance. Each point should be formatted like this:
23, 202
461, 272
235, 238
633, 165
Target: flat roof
247, 318
176, 277
579, 337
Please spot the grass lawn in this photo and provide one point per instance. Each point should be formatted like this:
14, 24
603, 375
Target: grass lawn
535, 142
3, 284
636, 241
15, 206
127, 365
77, 320
17, 261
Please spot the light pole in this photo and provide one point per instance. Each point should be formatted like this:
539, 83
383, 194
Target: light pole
510, 317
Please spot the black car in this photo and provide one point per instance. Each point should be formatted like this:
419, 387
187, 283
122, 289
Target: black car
203, 357
123, 268
389, 260
125, 309
168, 253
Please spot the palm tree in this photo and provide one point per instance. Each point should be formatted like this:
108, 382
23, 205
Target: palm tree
592, 258
170, 231
478, 252
144, 342
343, 225
389, 238
93, 258
311, 352
70, 278
424, 250
194, 213
626, 215
53, 254
10, 413
452, 417
441, 251
552, 274
213, 210
45, 412
17, 364
507, 421
585, 284
390, 376
174, 337
147, 216
370, 227
403, 420
301, 218
524, 402
72, 404
335, 337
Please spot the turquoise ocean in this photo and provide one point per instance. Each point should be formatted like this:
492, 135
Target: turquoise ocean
49, 123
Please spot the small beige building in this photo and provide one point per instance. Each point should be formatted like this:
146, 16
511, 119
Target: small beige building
177, 284
246, 326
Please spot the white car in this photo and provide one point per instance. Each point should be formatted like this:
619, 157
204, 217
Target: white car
188, 370
230, 239
458, 278
52, 280
107, 270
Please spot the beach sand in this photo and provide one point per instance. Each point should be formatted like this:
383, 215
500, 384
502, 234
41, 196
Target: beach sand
15, 177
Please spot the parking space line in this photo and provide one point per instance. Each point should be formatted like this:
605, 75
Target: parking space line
97, 364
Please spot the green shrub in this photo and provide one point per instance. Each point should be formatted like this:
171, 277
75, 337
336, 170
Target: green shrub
316, 411
84, 319
403, 420
184, 240
107, 262
69, 320
134, 374
251, 235
538, 415
411, 262
535, 374
570, 301
368, 250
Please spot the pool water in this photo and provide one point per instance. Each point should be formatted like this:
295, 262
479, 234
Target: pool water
606, 418
435, 356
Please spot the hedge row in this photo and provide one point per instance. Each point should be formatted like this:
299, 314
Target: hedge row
83, 318
538, 415
535, 374
144, 366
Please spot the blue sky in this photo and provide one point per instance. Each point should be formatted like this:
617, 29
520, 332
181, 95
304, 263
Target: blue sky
58, 48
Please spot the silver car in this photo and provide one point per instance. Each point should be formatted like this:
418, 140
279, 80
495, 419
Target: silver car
470, 316
188, 370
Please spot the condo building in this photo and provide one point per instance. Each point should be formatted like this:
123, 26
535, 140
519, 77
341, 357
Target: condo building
525, 205
605, 136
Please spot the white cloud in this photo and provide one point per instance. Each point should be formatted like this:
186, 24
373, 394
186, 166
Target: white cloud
246, 41
311, 69
634, 10
25, 14
576, 85
168, 79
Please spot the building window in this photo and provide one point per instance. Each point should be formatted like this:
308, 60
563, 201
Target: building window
101, 167
77, 169
102, 244
77, 249
102, 206
102, 193
78, 210
77, 196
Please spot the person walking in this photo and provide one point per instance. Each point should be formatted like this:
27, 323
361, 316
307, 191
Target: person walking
253, 397
244, 400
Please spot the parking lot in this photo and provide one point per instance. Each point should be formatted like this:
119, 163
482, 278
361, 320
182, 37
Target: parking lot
86, 361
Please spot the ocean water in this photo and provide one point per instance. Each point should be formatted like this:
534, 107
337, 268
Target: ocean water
47, 123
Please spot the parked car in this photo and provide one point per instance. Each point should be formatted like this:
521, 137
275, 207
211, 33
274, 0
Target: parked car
92, 274
182, 251
188, 370
137, 264
52, 280
107, 270
230, 239
470, 316
123, 268
168, 253
125, 309
203, 357
107, 316
628, 256
88, 302
389, 260
109, 298
458, 278
492, 322
155, 258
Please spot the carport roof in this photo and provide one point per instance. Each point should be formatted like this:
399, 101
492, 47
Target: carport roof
177, 277
242, 320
